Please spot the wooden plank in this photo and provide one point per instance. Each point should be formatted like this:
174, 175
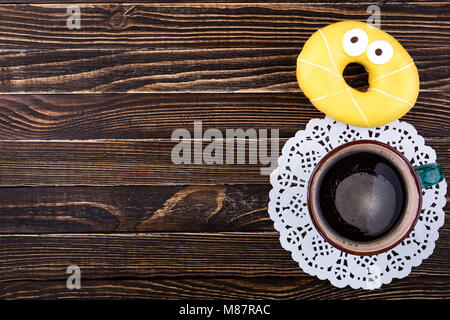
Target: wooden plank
112, 162
422, 287
210, 25
137, 209
196, 70
132, 162
190, 1
142, 116
154, 255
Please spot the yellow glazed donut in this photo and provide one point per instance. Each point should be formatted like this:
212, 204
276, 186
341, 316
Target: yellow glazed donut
393, 76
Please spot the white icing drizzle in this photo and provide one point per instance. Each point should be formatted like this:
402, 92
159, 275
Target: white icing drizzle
330, 94
359, 109
329, 52
321, 67
395, 71
391, 96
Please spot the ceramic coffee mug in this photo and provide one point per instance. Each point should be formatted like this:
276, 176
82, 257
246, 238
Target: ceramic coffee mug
365, 197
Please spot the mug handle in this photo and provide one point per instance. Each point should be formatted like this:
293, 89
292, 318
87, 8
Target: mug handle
429, 174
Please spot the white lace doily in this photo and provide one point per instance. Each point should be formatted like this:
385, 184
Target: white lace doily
288, 207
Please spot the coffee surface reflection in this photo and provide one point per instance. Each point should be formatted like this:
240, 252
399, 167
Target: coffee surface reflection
361, 196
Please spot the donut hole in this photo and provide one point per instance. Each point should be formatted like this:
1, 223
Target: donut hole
356, 76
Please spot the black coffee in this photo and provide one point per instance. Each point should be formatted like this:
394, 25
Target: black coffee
361, 196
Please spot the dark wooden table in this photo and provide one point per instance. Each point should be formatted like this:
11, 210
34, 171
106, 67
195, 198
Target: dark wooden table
86, 118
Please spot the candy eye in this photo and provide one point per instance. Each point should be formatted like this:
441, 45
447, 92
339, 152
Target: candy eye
355, 42
380, 52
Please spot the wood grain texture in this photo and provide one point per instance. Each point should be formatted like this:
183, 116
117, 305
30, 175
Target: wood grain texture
210, 25
137, 209
149, 255
189, 1
193, 70
132, 162
85, 122
412, 287
112, 162
142, 116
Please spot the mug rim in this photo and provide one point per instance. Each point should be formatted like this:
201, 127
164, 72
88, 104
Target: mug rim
314, 214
